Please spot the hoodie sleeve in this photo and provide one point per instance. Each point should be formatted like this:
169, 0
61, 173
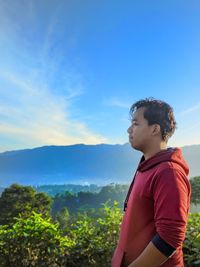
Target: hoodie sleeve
171, 193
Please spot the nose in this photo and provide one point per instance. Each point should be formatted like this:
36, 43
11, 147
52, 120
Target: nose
129, 130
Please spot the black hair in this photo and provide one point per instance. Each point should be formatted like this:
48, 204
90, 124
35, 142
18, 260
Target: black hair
157, 112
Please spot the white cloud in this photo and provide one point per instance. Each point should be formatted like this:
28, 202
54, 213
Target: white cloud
190, 110
115, 102
41, 118
39, 84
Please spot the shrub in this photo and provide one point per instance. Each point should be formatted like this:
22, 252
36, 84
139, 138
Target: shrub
95, 238
33, 242
191, 246
86, 241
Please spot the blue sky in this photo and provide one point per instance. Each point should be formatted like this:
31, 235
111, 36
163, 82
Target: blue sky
70, 70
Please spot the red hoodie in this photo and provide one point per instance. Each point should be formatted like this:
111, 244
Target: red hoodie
158, 204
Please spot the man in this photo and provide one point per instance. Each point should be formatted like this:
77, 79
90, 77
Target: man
157, 204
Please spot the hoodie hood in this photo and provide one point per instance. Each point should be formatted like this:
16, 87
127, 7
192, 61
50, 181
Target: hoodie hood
170, 155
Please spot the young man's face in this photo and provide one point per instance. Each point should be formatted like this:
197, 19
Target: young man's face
139, 131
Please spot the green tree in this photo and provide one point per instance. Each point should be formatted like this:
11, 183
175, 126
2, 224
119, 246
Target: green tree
62, 218
18, 199
195, 184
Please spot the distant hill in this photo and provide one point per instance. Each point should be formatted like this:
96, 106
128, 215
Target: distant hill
53, 190
78, 164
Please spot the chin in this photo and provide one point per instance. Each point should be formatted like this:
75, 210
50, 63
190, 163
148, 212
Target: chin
136, 147
133, 145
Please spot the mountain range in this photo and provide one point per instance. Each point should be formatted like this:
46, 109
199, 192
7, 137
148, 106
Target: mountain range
78, 164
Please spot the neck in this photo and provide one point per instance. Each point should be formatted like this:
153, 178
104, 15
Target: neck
154, 150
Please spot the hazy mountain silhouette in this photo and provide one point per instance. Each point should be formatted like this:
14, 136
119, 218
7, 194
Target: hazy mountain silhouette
78, 164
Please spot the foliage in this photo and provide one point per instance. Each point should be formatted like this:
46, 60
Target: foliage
18, 199
195, 184
36, 241
62, 217
191, 246
85, 239
33, 242
53, 190
95, 239
84, 201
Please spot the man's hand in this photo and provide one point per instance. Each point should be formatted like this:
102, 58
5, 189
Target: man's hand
150, 257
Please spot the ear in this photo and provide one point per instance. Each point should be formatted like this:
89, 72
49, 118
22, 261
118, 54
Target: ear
156, 129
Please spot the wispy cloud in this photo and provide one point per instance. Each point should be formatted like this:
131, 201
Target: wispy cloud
115, 102
41, 118
38, 83
190, 110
